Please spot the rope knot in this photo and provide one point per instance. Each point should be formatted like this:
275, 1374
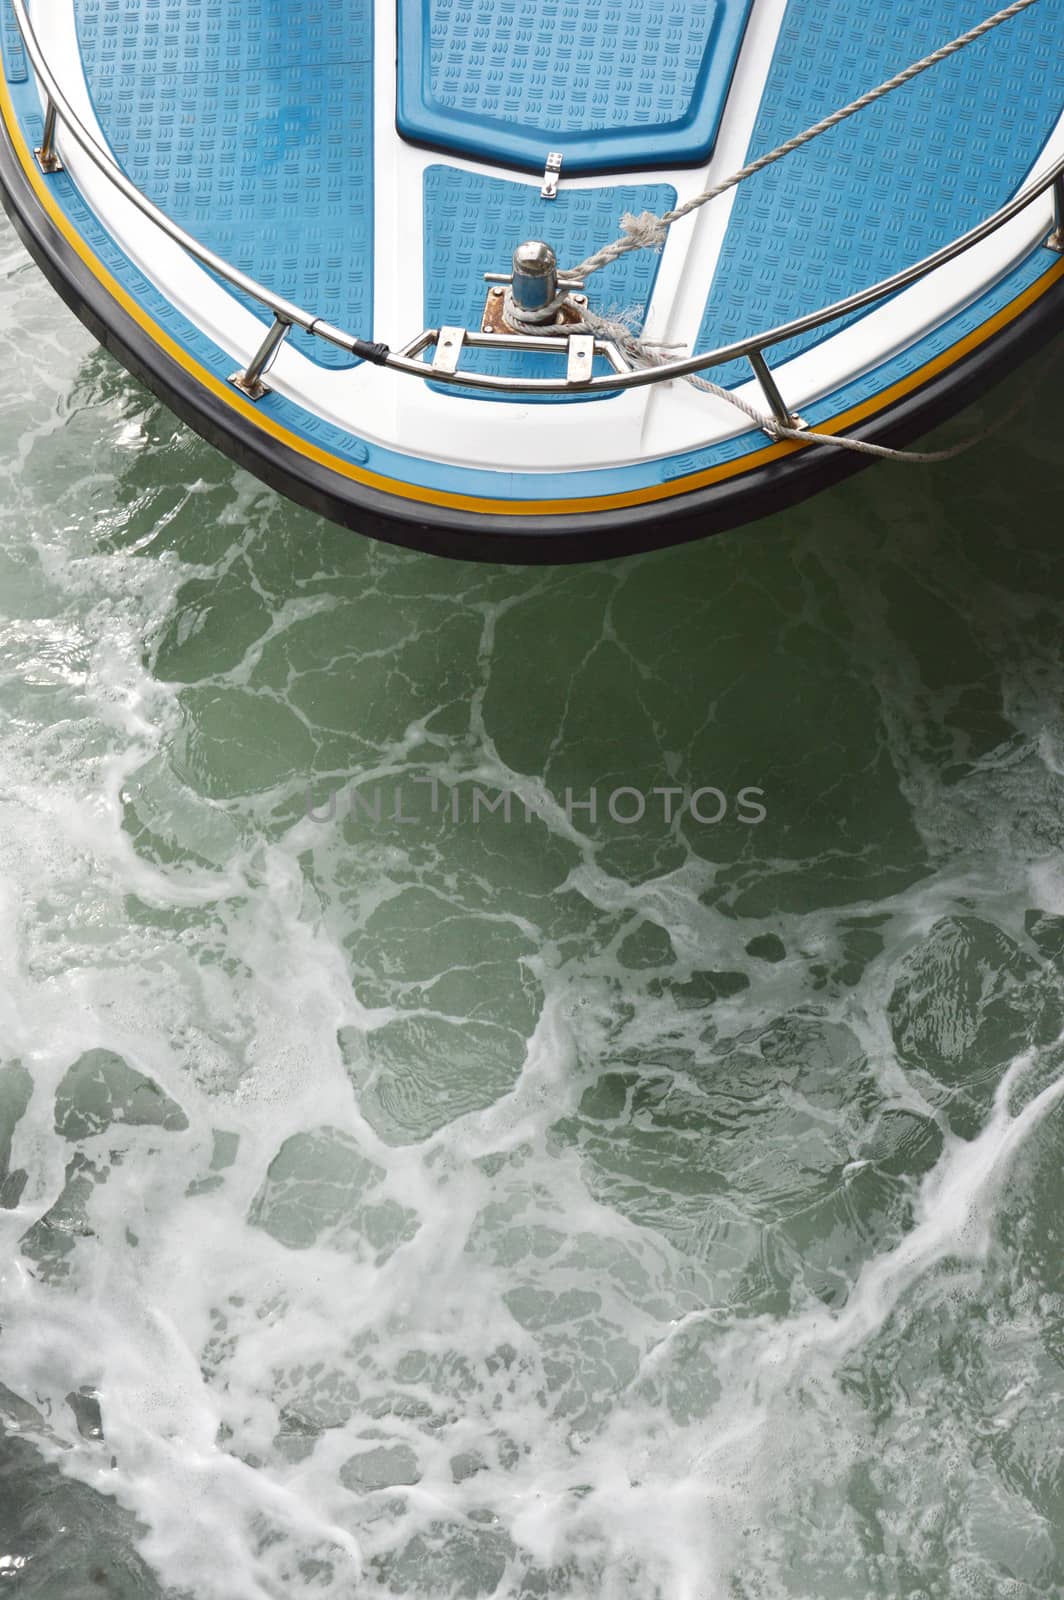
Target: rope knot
646, 231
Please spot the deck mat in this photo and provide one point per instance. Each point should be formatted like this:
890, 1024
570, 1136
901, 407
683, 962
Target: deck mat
14, 53
249, 122
897, 181
612, 84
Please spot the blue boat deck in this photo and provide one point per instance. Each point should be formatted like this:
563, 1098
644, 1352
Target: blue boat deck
613, 84
250, 123
898, 181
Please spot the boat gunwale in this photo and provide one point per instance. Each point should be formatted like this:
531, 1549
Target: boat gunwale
286, 312
783, 474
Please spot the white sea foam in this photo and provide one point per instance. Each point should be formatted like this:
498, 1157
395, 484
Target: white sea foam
529, 1258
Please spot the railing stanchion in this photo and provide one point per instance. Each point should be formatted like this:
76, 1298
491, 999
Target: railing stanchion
249, 380
47, 156
786, 419
1056, 238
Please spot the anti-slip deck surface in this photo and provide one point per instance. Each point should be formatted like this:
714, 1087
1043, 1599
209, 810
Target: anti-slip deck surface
250, 123
14, 54
900, 179
611, 84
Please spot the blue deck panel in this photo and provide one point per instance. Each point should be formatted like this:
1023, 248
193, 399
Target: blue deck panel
250, 123
613, 84
471, 226
15, 69
893, 183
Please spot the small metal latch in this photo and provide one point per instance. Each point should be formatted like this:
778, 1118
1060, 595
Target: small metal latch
581, 358
551, 174
449, 342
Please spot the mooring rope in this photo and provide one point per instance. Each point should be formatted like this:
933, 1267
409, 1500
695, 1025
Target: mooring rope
778, 430
650, 355
649, 231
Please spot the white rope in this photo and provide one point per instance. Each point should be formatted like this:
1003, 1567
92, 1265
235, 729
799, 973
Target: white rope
643, 354
649, 231
649, 355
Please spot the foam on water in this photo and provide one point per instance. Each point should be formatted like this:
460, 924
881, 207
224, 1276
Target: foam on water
528, 1208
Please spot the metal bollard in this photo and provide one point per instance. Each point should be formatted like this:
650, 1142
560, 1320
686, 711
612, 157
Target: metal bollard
535, 278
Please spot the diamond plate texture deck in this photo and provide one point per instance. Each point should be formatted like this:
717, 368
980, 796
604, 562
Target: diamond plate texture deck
14, 53
472, 224
613, 84
249, 122
895, 182
564, 68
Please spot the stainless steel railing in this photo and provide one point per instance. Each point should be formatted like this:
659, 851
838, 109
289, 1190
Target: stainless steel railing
444, 368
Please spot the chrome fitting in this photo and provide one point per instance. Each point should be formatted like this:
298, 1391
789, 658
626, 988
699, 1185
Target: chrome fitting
535, 277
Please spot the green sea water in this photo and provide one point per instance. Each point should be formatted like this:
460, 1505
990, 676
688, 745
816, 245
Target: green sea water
412, 1183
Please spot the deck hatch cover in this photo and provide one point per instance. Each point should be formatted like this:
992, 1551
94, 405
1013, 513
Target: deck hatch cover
615, 84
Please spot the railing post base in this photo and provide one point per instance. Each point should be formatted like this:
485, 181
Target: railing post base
249, 380
1056, 238
256, 390
45, 153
